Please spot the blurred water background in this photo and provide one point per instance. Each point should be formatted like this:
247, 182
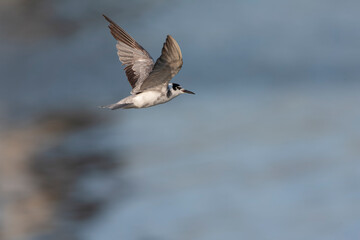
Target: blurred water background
269, 148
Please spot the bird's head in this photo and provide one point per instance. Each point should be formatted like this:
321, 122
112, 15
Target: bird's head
176, 89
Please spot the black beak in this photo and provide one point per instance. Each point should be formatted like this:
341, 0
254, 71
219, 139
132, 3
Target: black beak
187, 91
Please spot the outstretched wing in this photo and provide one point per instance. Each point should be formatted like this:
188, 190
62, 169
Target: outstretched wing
166, 66
138, 62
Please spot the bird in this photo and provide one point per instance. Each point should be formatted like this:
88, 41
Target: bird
150, 81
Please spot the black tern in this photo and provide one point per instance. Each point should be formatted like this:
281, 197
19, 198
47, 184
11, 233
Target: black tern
149, 80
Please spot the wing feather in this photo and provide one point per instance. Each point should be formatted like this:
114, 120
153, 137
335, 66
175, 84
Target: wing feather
138, 62
166, 66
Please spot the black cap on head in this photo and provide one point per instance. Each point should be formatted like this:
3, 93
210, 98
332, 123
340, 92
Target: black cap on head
175, 86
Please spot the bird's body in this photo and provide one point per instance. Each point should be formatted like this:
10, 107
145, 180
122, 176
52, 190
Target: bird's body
149, 80
146, 99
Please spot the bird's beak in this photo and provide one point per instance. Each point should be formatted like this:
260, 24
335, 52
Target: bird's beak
187, 91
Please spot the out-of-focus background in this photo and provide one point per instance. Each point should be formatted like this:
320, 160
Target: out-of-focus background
268, 148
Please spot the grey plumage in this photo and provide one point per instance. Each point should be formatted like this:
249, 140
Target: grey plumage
138, 62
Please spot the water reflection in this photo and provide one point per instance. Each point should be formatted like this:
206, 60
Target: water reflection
54, 175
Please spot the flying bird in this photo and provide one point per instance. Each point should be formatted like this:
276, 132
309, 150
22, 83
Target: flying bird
150, 81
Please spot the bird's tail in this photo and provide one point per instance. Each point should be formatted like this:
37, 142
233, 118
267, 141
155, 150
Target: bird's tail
117, 106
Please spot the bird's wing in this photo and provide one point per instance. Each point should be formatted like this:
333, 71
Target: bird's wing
166, 66
138, 62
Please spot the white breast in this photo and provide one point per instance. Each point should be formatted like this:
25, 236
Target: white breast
149, 98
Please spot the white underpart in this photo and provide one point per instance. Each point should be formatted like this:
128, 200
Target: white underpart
148, 98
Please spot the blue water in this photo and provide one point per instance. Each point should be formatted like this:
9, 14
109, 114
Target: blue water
270, 168
269, 146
